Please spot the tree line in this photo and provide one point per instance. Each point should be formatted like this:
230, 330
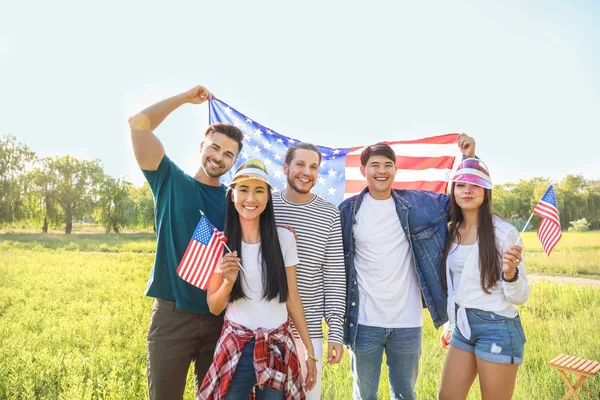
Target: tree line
57, 191
54, 192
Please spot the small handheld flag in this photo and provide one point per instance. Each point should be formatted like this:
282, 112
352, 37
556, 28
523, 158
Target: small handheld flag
202, 254
549, 231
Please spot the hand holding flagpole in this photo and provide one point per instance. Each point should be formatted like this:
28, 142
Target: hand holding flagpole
238, 263
228, 249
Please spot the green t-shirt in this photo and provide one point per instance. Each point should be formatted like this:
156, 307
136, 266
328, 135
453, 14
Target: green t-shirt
178, 199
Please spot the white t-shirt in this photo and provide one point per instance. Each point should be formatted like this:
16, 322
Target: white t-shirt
457, 257
256, 312
388, 286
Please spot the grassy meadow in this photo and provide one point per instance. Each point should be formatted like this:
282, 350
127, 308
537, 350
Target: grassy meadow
73, 319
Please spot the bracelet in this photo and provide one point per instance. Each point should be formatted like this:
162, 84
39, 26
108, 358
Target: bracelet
514, 278
315, 359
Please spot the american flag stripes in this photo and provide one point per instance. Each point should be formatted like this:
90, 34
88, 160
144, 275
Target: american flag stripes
202, 254
422, 164
549, 231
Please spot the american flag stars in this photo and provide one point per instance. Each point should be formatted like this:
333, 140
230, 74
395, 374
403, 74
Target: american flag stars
270, 147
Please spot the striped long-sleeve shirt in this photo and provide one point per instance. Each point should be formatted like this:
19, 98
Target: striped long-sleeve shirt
321, 273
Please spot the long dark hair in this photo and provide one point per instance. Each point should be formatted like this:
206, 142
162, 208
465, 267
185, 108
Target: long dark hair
273, 266
489, 255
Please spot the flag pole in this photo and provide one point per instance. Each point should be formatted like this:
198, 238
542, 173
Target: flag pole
525, 227
240, 265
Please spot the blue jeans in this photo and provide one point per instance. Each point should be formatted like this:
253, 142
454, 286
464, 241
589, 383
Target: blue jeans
402, 350
244, 379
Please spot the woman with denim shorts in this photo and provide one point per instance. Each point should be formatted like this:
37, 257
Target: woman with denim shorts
485, 278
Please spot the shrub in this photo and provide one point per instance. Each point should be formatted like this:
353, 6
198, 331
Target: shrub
580, 225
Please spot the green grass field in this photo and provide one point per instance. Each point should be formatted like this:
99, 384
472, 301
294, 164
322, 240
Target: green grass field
73, 319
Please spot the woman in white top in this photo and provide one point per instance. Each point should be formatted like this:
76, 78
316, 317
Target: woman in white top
485, 278
256, 352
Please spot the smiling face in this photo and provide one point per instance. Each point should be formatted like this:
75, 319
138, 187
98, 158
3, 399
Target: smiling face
302, 171
468, 196
219, 153
250, 198
380, 172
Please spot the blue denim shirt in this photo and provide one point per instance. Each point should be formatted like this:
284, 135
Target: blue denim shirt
424, 218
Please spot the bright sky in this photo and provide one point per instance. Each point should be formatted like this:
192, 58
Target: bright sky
520, 77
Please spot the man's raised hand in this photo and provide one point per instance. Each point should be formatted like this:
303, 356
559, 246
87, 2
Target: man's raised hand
197, 95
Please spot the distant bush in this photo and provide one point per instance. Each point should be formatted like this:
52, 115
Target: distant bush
72, 246
580, 225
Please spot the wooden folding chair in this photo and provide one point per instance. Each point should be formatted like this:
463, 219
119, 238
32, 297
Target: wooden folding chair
581, 368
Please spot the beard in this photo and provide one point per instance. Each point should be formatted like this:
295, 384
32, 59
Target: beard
303, 190
212, 171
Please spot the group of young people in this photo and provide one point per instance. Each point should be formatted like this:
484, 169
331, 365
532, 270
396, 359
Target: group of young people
367, 268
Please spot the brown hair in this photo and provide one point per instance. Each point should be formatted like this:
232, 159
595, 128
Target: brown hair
289, 154
377, 149
232, 132
489, 255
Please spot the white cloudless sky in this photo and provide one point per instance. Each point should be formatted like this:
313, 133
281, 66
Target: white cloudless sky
521, 77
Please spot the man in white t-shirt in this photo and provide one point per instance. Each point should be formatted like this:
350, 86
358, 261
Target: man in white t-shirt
393, 242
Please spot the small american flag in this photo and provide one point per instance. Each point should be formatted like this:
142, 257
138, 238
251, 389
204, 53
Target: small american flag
549, 230
424, 164
202, 254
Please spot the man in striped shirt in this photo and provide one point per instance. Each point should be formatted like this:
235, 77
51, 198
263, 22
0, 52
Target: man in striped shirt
321, 274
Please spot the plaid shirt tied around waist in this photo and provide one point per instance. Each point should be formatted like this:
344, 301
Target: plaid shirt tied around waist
275, 361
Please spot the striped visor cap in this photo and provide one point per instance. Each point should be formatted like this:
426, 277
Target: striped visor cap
251, 169
473, 171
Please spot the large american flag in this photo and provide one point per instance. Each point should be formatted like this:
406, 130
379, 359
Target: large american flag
549, 230
202, 254
422, 164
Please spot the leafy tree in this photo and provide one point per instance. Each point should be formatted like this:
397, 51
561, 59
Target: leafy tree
77, 186
144, 205
117, 209
15, 158
571, 198
42, 189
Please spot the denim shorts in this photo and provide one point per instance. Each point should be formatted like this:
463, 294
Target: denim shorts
494, 338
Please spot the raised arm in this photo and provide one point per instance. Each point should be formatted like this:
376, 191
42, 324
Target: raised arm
466, 145
148, 149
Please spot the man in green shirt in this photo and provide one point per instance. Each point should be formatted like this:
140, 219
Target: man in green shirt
182, 329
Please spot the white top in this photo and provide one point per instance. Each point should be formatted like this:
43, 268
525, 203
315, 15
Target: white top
388, 286
255, 312
503, 296
456, 261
